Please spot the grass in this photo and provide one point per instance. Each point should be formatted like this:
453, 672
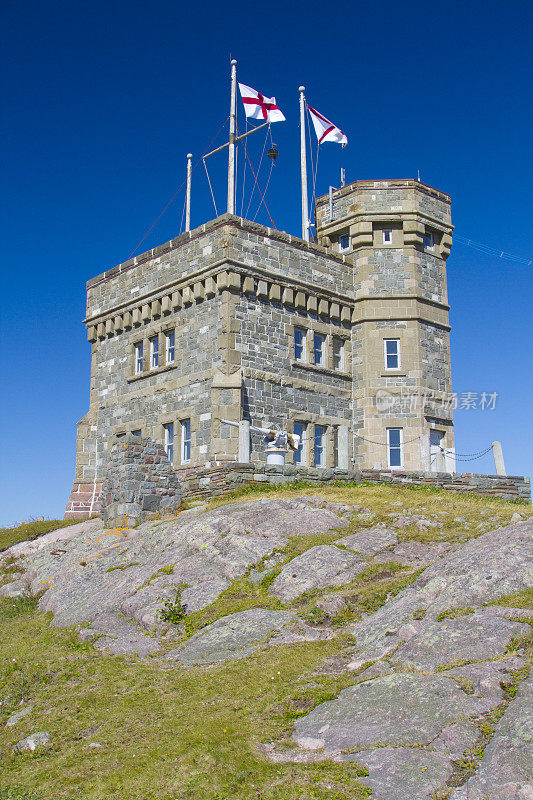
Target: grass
31, 530
165, 732
523, 599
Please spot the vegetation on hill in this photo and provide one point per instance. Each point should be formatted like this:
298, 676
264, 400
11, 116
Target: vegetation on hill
27, 531
132, 729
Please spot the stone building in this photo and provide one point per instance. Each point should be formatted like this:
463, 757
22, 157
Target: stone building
345, 340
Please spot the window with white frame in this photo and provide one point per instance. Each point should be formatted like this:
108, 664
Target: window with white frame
185, 441
299, 344
169, 441
387, 236
338, 353
319, 342
344, 242
428, 240
391, 353
170, 340
395, 447
139, 358
320, 446
300, 429
335, 446
154, 352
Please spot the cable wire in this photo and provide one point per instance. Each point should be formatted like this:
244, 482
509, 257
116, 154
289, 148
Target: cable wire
210, 188
178, 190
258, 171
492, 251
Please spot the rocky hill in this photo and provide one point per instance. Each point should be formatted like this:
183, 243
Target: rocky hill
364, 642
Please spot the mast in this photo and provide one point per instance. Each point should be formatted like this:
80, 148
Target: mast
231, 148
303, 163
188, 203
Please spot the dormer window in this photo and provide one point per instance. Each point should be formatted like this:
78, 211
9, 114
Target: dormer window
344, 242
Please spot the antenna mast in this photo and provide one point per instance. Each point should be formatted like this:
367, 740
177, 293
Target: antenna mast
231, 147
303, 167
188, 201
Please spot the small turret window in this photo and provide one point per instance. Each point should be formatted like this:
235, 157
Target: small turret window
344, 242
428, 240
387, 236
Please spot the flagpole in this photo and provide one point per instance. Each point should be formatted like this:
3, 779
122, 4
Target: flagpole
303, 167
231, 148
188, 203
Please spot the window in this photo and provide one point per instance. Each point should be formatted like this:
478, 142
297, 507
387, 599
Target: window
387, 236
154, 352
169, 440
318, 349
391, 349
136, 433
185, 441
338, 353
344, 242
299, 344
299, 455
395, 447
335, 447
170, 339
138, 358
320, 438
428, 240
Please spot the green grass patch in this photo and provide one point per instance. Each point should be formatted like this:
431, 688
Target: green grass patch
523, 599
31, 530
453, 613
165, 732
240, 595
123, 566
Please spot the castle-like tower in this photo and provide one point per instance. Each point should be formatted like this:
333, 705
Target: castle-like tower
344, 340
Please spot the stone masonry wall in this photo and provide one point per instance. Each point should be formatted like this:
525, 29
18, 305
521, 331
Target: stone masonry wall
225, 478
140, 483
278, 389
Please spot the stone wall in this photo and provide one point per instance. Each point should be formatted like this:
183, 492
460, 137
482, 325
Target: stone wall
140, 483
84, 500
225, 478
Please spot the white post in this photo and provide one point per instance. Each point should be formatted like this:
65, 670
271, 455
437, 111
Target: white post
498, 458
343, 444
244, 441
188, 203
231, 148
303, 166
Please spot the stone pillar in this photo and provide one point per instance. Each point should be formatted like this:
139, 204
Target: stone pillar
498, 458
244, 441
344, 447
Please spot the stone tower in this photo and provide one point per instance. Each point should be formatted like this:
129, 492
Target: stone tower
398, 235
344, 340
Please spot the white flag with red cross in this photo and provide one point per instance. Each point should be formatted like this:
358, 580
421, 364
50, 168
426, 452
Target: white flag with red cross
257, 106
325, 130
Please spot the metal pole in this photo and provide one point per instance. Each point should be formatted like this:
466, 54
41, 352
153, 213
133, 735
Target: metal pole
231, 149
303, 163
188, 205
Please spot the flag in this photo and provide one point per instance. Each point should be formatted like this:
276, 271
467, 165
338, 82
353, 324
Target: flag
325, 130
257, 106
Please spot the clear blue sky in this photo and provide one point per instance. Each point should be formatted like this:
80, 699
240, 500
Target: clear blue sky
101, 102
